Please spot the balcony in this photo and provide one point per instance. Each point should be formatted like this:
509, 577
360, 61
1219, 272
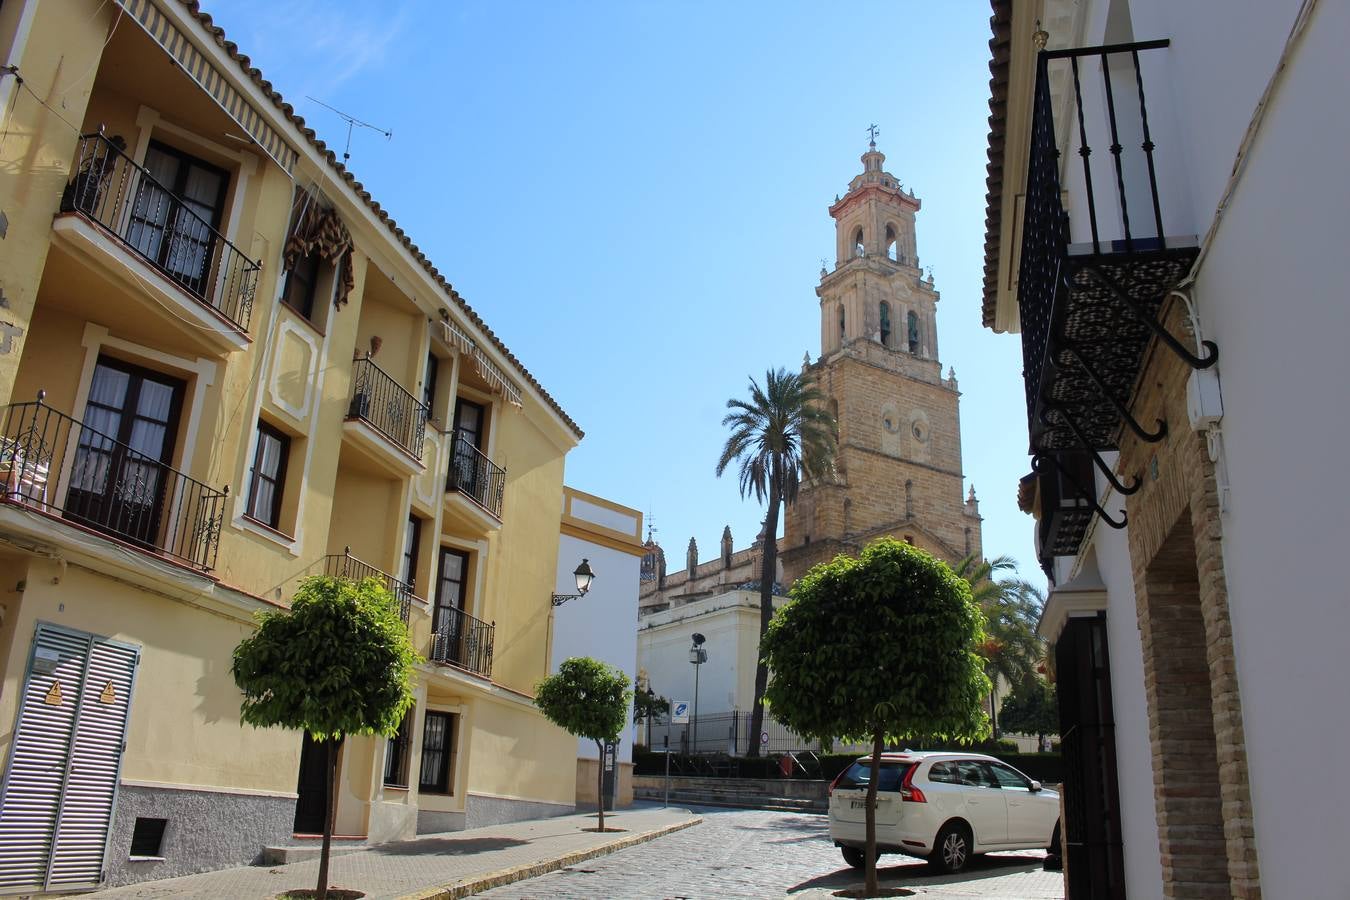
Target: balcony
347, 567
395, 419
61, 467
1099, 256
190, 260
477, 479
1065, 504
463, 641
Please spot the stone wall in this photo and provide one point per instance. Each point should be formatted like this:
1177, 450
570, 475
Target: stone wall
204, 830
898, 469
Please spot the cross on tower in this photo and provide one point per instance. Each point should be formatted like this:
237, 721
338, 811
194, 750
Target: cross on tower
872, 132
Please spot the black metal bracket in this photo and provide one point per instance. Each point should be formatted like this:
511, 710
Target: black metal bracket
1151, 437
1087, 448
1186, 356
1038, 464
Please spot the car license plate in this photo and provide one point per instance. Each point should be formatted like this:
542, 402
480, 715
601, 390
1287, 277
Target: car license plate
858, 804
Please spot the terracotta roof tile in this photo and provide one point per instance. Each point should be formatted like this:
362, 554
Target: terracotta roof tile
1000, 46
218, 35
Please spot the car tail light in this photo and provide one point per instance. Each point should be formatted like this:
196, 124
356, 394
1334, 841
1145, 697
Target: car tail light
908, 791
833, 784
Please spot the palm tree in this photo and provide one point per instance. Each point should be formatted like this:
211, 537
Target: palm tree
780, 434
1012, 607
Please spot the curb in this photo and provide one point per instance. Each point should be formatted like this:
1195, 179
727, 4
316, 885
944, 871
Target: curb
501, 877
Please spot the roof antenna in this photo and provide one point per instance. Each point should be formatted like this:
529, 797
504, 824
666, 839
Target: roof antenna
352, 122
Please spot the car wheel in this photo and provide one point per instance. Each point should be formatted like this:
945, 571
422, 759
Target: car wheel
1054, 861
855, 857
952, 849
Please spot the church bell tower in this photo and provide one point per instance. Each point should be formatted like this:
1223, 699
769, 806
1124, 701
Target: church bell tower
898, 468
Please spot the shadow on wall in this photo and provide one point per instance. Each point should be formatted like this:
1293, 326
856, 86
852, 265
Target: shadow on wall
219, 699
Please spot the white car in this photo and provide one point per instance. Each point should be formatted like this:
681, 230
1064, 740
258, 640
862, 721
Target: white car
942, 806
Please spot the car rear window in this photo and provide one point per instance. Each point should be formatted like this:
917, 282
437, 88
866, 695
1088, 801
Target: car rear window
859, 775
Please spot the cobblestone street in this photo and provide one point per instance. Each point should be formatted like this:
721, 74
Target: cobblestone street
753, 853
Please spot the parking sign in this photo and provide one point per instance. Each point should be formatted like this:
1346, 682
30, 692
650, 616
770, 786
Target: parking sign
679, 712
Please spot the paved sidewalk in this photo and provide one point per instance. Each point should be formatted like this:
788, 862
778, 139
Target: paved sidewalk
454, 864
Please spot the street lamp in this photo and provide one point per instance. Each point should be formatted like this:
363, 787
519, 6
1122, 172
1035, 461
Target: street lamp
584, 577
698, 655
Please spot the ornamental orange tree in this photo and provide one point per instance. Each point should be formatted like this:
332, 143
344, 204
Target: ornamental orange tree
338, 662
878, 648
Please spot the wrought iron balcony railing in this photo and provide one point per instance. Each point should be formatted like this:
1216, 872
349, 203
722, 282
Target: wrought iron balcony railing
347, 567
461, 640
1093, 274
387, 406
474, 475
60, 466
162, 228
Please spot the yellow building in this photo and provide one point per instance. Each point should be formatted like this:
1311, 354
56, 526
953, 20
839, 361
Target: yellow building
223, 367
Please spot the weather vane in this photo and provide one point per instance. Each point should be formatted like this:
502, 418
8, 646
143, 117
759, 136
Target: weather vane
872, 132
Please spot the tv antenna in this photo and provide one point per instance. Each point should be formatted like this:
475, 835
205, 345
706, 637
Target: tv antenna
352, 122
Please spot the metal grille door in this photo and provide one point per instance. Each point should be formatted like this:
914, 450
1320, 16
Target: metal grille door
57, 804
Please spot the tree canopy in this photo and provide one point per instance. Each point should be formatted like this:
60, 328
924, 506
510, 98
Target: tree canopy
589, 699
648, 704
338, 662
883, 641
1031, 708
878, 649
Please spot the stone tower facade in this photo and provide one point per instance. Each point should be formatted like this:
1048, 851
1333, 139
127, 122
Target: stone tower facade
898, 469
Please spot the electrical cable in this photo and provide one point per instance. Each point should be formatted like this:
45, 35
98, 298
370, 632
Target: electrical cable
98, 59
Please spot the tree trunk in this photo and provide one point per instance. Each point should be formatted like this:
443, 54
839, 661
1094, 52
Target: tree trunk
766, 577
993, 710
870, 872
600, 786
329, 817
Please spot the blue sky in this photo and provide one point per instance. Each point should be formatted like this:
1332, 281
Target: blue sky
634, 195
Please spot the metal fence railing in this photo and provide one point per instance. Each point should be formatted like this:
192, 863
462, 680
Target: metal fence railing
161, 228
61, 466
474, 475
388, 406
345, 566
728, 733
462, 640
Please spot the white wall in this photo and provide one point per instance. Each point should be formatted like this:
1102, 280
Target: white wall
1273, 295
1129, 704
602, 624
730, 622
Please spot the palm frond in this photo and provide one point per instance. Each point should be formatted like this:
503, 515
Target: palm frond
781, 434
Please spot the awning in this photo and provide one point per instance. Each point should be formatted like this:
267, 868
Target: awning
211, 80
499, 381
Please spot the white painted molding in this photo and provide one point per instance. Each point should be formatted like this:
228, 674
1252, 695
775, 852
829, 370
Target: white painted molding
310, 339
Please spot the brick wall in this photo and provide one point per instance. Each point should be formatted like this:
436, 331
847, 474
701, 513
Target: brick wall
1190, 672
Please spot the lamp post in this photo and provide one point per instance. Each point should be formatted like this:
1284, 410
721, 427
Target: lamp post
698, 655
584, 577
